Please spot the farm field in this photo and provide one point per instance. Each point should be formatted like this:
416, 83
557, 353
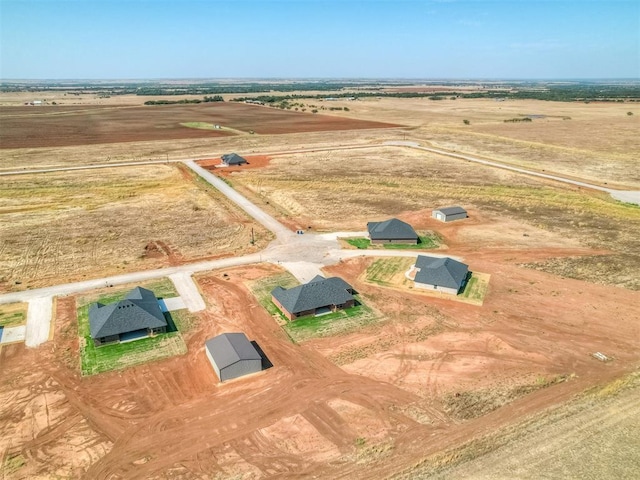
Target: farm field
68, 226
53, 126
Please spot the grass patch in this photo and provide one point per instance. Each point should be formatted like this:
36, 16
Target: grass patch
424, 242
476, 288
342, 321
94, 360
389, 271
13, 314
359, 243
262, 288
13, 463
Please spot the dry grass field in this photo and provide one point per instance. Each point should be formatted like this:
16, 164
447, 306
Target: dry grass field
343, 190
594, 141
73, 225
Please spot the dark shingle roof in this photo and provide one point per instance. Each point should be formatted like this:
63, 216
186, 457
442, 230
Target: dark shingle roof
444, 272
230, 348
451, 210
393, 229
138, 310
233, 159
319, 292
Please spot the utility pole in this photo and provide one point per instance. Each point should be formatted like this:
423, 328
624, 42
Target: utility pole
253, 238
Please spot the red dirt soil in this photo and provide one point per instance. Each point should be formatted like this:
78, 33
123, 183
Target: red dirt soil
255, 161
303, 416
54, 126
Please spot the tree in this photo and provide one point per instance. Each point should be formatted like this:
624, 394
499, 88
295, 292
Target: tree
466, 122
314, 111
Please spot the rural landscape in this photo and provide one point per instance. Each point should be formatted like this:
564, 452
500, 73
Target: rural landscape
525, 193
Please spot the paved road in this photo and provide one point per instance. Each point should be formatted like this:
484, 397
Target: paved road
630, 196
188, 290
38, 320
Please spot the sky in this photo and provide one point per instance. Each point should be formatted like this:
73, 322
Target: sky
427, 39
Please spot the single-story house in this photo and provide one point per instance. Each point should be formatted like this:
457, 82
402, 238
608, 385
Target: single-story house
442, 274
320, 295
232, 159
392, 231
449, 214
138, 315
232, 355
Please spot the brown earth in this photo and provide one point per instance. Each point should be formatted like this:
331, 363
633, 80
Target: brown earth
53, 126
254, 162
365, 404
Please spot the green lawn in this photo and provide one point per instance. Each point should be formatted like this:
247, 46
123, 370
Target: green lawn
306, 328
389, 271
12, 315
476, 287
342, 321
162, 288
425, 242
94, 360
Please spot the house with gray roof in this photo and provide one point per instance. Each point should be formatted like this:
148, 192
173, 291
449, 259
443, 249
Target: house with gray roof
442, 274
392, 231
136, 316
449, 214
320, 295
232, 355
233, 159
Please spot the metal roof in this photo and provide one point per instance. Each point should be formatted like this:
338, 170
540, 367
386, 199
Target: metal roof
443, 272
139, 309
319, 292
392, 229
233, 159
451, 210
230, 348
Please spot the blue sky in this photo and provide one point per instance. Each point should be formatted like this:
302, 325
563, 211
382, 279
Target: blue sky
136, 39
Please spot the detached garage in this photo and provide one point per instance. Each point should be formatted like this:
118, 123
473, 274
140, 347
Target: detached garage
232, 355
449, 214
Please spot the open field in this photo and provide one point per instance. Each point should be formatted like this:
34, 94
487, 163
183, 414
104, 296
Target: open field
420, 387
53, 126
507, 210
72, 225
596, 435
592, 141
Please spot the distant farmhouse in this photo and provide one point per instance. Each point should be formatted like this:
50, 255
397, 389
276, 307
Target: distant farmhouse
320, 295
233, 159
442, 274
449, 214
392, 231
232, 355
138, 315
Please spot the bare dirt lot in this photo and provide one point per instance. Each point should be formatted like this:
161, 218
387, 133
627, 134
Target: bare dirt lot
393, 402
70, 226
53, 126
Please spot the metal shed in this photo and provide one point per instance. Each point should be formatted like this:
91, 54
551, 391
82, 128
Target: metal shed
449, 214
232, 355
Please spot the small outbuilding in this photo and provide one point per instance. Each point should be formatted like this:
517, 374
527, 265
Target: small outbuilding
138, 315
449, 214
392, 231
442, 274
232, 355
320, 295
233, 159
